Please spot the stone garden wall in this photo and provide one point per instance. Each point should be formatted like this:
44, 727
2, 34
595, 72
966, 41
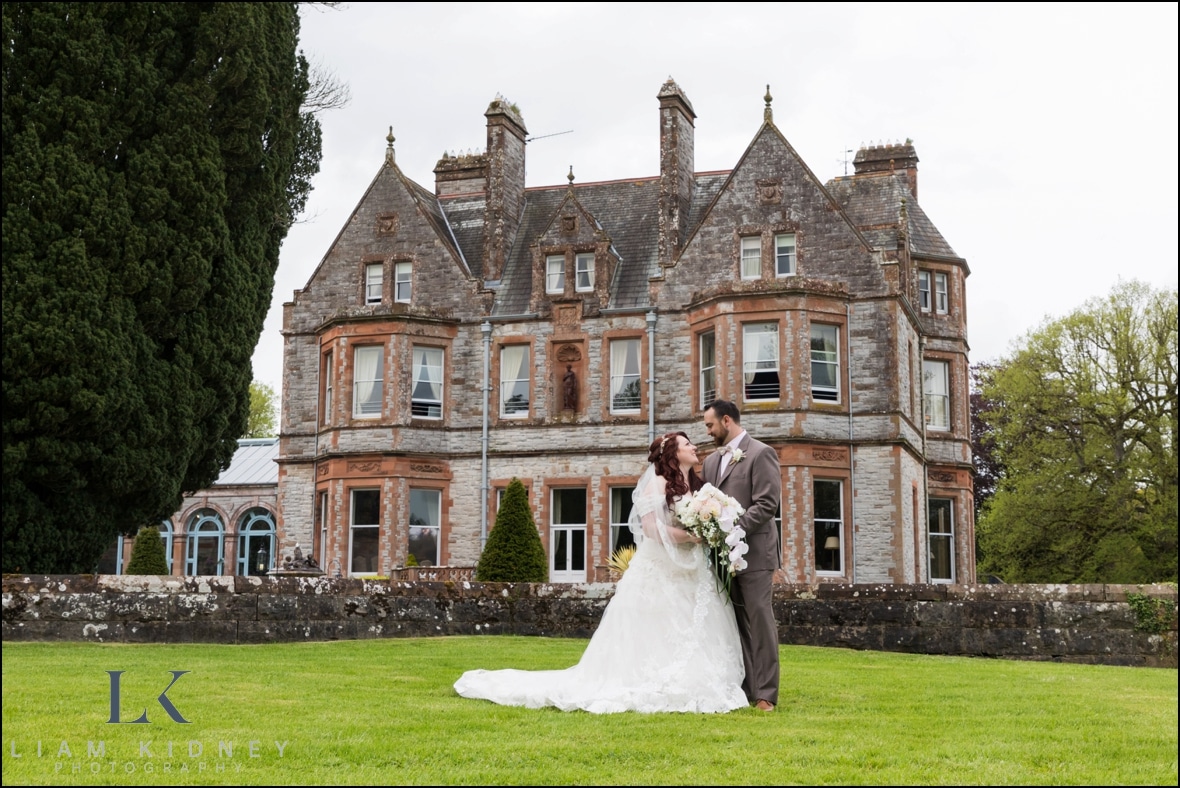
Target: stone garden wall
1104, 624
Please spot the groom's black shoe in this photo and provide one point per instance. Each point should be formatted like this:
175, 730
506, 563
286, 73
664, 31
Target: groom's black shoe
764, 705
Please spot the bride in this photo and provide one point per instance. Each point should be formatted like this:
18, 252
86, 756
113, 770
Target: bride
667, 641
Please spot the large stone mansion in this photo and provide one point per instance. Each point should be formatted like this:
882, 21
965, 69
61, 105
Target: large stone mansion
454, 338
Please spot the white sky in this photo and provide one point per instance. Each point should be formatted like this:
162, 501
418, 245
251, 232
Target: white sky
1046, 133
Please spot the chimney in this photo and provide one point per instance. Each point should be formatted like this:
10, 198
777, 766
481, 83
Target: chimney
676, 168
505, 183
461, 174
889, 158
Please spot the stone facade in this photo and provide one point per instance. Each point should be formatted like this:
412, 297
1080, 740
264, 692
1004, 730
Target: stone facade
1075, 623
425, 357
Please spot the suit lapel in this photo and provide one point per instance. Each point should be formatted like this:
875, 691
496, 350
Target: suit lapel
732, 462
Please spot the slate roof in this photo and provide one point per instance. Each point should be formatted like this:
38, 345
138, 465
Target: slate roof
627, 210
873, 202
253, 464
433, 211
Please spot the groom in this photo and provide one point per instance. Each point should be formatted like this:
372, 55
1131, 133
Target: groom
749, 471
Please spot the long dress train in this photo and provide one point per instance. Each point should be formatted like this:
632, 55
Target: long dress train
667, 641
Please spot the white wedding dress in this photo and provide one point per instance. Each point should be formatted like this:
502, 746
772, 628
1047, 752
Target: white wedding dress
667, 641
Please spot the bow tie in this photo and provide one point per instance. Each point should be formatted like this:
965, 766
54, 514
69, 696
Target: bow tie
724, 450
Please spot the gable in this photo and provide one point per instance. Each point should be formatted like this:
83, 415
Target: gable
772, 191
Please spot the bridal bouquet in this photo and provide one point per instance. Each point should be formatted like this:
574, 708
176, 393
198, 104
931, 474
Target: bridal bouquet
712, 515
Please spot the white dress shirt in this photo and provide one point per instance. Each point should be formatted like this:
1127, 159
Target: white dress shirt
727, 453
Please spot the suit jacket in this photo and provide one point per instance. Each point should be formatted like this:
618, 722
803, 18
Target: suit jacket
756, 482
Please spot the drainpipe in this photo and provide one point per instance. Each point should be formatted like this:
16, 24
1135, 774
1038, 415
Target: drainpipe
651, 376
925, 463
851, 445
486, 329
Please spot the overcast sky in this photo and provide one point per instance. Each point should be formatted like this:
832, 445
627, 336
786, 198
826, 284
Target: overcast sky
1046, 133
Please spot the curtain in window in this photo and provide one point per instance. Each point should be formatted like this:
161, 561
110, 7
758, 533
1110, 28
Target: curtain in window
428, 374
514, 379
367, 375
624, 374
760, 367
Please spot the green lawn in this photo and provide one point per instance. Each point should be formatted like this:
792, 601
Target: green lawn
384, 712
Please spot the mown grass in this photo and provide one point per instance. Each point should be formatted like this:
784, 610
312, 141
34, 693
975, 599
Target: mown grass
384, 712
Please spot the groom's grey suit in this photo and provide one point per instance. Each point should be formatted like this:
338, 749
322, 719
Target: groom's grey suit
756, 483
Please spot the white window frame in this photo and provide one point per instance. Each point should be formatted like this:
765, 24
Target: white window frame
428, 360
374, 282
923, 290
426, 520
403, 282
941, 541
826, 527
368, 370
354, 526
751, 257
584, 272
514, 381
621, 501
625, 373
567, 537
825, 358
707, 347
328, 389
936, 394
760, 357
555, 273
784, 254
940, 293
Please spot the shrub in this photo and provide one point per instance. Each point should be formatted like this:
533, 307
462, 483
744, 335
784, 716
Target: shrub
147, 554
513, 553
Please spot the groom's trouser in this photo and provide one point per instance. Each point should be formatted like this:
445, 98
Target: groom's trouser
752, 594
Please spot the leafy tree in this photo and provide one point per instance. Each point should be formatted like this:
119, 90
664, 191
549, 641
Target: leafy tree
263, 411
513, 553
147, 554
155, 155
1084, 425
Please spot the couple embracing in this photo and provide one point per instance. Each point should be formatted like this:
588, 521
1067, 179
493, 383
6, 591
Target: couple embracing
670, 640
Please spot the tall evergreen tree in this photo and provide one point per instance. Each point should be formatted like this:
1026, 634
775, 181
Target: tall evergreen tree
155, 155
513, 553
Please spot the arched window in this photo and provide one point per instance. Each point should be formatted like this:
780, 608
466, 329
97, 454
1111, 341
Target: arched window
205, 547
256, 542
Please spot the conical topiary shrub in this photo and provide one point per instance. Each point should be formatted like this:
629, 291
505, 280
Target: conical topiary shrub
513, 553
147, 554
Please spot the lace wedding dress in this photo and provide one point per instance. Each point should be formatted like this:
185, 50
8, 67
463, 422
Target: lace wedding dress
667, 641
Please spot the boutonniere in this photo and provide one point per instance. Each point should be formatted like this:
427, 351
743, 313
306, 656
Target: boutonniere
738, 454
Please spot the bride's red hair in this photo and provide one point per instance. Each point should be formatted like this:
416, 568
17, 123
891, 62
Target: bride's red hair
662, 454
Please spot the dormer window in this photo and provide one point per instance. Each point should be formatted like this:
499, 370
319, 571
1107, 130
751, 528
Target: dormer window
555, 273
584, 272
374, 279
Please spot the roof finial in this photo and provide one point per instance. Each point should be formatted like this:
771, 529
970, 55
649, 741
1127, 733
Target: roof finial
389, 138
767, 114
570, 177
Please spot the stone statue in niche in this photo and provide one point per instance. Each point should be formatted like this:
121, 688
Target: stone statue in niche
569, 389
